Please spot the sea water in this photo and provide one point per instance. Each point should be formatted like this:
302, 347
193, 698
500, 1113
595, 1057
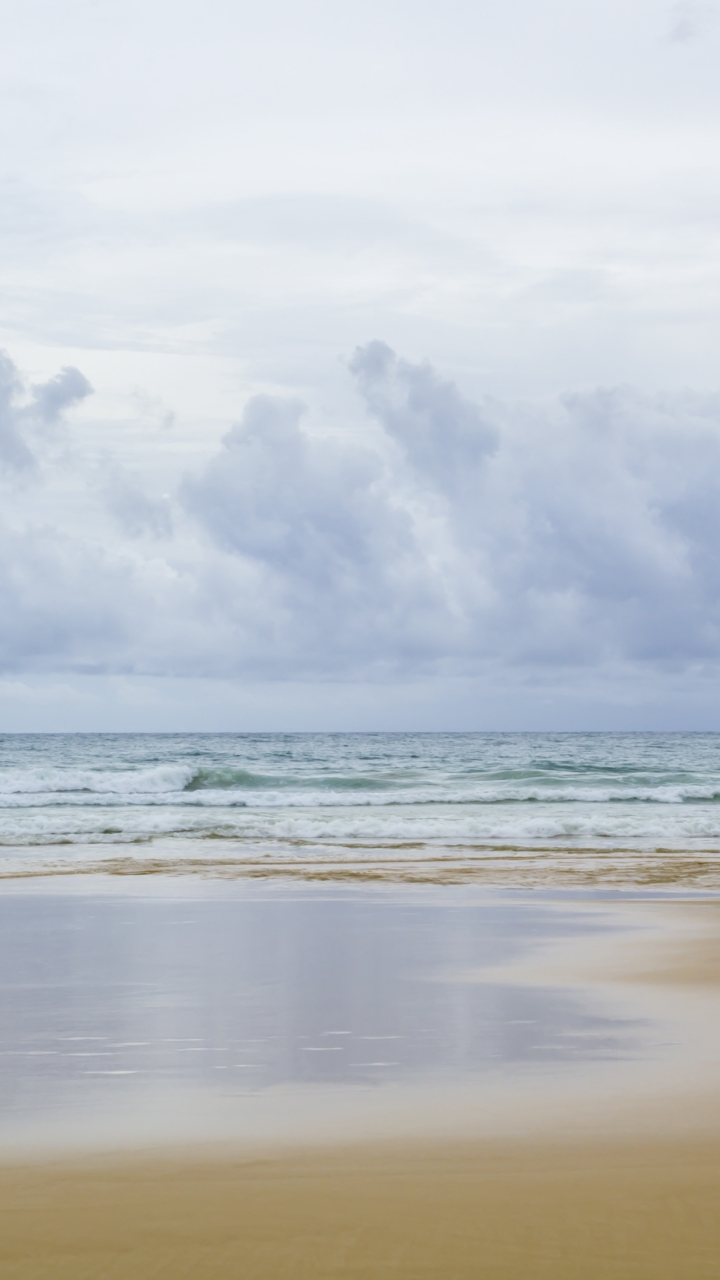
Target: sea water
116, 801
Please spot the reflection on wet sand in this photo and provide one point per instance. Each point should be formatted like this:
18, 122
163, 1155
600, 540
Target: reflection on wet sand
105, 997
412, 1081
242, 1002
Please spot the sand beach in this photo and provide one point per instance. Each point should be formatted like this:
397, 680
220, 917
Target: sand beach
631, 1209
587, 1144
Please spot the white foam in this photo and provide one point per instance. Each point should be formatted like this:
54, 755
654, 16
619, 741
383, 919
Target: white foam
322, 791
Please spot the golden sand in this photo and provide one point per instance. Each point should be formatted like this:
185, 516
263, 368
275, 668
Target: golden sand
493, 1211
693, 962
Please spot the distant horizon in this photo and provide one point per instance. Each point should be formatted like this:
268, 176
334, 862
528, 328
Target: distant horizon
349, 733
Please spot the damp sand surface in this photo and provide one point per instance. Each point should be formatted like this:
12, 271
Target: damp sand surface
568, 864
443, 1082
592, 1210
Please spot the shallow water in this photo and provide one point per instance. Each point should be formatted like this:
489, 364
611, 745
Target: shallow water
130, 1013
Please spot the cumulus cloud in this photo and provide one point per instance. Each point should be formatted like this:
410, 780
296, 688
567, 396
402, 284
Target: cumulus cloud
320, 518
602, 492
582, 532
442, 434
50, 399
13, 450
136, 511
22, 414
433, 534
62, 601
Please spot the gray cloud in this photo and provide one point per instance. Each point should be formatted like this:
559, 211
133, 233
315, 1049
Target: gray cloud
52, 398
136, 511
13, 449
432, 535
63, 602
318, 516
443, 435
581, 533
22, 415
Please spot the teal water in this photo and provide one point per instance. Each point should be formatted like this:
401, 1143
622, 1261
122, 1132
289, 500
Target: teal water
334, 795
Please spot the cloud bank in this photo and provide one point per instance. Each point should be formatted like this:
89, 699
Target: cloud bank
430, 536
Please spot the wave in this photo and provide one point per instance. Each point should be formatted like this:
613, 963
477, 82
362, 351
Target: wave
347, 792
231, 779
161, 779
169, 780
224, 780
381, 781
178, 785
346, 829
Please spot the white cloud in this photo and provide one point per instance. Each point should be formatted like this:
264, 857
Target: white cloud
526, 190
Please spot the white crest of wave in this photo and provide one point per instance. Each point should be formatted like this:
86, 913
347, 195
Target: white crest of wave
155, 779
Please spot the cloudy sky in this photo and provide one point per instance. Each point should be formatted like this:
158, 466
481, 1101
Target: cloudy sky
360, 364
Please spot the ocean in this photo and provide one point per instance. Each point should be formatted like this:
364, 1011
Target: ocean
593, 805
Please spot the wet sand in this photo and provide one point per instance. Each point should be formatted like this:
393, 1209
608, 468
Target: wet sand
566, 865
624, 1188
495, 1210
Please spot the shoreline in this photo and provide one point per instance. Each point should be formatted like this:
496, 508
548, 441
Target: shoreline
491, 866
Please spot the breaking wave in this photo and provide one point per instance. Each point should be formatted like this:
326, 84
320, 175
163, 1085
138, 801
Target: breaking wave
347, 791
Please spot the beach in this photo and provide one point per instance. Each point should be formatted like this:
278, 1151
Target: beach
627, 1209
335, 1072
360, 641
588, 1146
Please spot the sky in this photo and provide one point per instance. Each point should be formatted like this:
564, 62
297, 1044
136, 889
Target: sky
359, 365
